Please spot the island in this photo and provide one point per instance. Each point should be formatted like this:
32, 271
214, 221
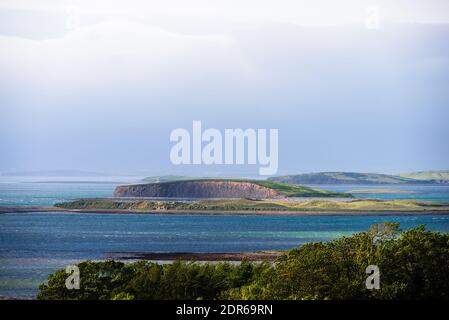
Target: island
235, 197
222, 188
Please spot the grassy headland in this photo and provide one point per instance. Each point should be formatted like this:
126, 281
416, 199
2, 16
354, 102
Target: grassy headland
248, 205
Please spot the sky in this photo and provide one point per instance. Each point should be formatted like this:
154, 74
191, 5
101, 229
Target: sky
99, 85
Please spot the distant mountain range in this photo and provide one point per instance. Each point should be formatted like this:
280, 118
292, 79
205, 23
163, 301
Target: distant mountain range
421, 177
167, 178
53, 173
427, 177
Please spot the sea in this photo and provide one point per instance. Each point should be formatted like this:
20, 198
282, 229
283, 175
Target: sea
33, 245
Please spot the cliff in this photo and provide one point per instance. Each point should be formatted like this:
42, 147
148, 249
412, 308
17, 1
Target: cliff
221, 189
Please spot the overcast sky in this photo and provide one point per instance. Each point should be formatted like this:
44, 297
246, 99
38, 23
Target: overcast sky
98, 85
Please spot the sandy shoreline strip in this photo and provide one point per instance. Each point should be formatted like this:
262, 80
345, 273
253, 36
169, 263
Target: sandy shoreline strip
49, 209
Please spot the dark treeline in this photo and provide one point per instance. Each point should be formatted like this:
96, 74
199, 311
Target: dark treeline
413, 264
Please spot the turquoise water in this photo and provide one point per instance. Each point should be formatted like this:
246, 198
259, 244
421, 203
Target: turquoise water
44, 193
33, 245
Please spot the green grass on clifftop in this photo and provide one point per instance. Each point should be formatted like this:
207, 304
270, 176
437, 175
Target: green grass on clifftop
299, 191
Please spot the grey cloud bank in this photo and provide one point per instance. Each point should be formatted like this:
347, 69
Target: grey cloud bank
106, 96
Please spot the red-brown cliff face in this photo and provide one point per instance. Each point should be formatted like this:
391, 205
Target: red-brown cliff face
198, 189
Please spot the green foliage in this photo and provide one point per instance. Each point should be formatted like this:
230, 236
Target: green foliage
99, 280
123, 296
413, 264
299, 191
145, 280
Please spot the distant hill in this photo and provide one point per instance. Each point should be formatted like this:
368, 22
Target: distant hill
53, 173
221, 188
345, 178
167, 178
441, 176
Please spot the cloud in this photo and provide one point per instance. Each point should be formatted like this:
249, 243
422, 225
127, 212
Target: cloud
302, 12
117, 87
114, 52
